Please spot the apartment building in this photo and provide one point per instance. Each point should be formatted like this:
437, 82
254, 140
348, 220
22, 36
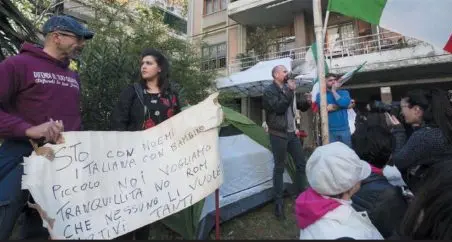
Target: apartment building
395, 63
171, 10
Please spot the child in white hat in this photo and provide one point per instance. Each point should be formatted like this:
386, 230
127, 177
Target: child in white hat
324, 210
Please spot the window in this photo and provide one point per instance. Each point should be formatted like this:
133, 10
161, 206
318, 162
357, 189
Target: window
340, 38
214, 57
212, 6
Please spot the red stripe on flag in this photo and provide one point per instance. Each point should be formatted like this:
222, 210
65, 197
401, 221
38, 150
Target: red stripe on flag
448, 46
314, 107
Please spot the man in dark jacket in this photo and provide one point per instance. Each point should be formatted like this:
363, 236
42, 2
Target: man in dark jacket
280, 104
384, 202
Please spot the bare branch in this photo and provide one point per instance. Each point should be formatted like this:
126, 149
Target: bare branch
45, 12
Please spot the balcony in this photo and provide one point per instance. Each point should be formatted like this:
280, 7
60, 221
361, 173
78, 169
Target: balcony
243, 63
383, 51
166, 5
268, 12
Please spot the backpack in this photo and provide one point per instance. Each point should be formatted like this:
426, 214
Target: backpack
140, 94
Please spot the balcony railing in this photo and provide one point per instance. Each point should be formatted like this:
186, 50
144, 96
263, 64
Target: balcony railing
334, 49
240, 64
166, 5
368, 44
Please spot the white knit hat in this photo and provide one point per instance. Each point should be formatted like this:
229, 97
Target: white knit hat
335, 168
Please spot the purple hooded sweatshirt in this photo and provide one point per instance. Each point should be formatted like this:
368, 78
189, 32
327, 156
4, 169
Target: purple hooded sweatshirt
35, 87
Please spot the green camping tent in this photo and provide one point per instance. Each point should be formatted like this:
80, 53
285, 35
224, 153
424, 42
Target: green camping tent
186, 221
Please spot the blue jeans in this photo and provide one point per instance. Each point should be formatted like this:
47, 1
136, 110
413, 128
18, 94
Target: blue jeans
12, 197
280, 146
343, 136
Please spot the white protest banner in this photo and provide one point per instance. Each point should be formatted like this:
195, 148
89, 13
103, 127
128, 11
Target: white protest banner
104, 184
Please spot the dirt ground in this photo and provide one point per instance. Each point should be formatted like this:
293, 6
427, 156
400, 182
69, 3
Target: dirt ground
256, 224
261, 224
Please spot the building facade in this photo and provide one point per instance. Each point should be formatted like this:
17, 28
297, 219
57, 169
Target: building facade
395, 63
172, 11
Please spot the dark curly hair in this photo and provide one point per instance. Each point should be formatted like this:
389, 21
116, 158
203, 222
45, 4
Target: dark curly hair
163, 63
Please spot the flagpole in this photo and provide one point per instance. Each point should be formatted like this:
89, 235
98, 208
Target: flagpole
318, 27
325, 24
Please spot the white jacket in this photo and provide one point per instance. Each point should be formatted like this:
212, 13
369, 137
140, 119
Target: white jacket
343, 221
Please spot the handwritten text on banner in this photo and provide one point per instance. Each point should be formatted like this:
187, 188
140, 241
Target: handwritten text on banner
104, 184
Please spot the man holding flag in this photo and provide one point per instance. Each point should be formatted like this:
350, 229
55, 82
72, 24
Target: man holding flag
338, 124
338, 104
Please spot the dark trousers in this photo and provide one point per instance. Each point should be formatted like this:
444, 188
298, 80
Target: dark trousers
12, 198
280, 146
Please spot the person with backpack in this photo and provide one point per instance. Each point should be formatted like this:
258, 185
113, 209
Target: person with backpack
149, 102
146, 104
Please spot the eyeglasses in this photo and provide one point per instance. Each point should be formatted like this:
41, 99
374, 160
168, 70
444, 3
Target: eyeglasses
78, 38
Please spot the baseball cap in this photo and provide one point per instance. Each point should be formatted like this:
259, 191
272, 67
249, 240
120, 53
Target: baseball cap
66, 23
334, 168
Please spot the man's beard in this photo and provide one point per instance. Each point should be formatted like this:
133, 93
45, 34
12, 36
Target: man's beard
76, 53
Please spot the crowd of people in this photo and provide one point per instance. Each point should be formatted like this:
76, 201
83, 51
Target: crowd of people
387, 178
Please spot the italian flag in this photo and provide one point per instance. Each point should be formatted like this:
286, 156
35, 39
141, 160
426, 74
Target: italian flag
311, 60
347, 76
427, 20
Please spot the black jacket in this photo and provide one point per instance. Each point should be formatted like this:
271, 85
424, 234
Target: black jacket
128, 114
425, 147
383, 202
276, 102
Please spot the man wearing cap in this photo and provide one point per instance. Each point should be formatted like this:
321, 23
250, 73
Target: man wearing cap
324, 210
39, 98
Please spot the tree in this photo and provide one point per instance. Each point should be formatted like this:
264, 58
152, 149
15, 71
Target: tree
258, 44
21, 20
111, 60
15, 28
261, 39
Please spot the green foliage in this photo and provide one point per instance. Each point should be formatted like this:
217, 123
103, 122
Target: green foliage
230, 100
261, 39
246, 60
110, 61
259, 43
15, 28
